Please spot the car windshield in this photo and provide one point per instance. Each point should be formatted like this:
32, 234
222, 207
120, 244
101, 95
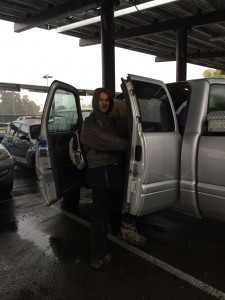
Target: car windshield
35, 131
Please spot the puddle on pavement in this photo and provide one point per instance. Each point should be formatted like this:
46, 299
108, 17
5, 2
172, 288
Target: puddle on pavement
64, 251
27, 230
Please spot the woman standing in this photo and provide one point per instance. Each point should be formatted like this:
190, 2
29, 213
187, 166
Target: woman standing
103, 148
105, 175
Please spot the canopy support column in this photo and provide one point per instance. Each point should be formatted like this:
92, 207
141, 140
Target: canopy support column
181, 55
107, 42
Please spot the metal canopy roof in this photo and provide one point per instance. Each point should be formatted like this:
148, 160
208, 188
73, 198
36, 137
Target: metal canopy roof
151, 31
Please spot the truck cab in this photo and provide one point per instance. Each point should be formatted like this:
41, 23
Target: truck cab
202, 161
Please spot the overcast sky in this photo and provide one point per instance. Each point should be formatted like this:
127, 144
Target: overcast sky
26, 57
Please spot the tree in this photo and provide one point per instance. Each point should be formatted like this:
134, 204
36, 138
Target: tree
212, 73
11, 103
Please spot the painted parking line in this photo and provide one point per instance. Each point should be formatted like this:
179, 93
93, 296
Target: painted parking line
153, 260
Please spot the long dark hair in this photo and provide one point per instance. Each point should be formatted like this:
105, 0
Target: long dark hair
95, 99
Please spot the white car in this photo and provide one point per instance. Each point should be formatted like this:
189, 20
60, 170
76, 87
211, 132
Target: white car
6, 171
86, 112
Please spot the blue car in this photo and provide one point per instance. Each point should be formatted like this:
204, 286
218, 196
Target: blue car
20, 140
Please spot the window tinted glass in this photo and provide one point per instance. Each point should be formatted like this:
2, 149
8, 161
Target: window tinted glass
35, 131
155, 109
23, 131
217, 97
216, 109
180, 93
63, 115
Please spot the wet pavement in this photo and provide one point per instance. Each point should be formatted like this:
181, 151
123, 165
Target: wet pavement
44, 254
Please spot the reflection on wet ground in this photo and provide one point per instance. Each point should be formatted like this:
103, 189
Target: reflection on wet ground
24, 182
46, 257
27, 230
44, 254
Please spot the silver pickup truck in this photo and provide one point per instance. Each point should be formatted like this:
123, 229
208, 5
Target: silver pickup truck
176, 156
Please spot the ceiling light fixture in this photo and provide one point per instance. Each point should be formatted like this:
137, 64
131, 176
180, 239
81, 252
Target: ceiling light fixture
217, 38
117, 13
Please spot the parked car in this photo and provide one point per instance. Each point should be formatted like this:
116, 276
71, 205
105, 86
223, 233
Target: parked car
20, 140
28, 117
6, 171
86, 112
3, 127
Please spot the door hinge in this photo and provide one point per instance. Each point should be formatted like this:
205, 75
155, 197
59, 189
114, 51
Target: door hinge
134, 172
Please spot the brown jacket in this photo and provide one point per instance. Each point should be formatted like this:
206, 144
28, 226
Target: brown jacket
100, 136
101, 140
119, 114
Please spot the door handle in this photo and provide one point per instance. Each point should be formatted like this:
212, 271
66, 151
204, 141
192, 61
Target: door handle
138, 152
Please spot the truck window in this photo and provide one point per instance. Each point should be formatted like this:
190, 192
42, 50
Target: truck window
180, 93
154, 106
63, 114
181, 114
216, 110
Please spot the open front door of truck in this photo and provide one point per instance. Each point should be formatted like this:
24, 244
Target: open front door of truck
153, 180
57, 176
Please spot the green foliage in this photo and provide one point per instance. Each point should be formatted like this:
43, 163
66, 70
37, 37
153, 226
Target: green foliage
11, 103
212, 73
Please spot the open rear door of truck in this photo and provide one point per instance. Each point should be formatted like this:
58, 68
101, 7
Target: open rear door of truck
61, 117
154, 158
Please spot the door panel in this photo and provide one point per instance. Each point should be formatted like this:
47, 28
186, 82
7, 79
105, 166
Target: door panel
211, 184
61, 117
211, 156
11, 133
21, 145
153, 181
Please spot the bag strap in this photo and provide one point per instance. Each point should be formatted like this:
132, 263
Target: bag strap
76, 141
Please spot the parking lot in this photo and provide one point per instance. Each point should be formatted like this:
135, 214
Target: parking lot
44, 253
